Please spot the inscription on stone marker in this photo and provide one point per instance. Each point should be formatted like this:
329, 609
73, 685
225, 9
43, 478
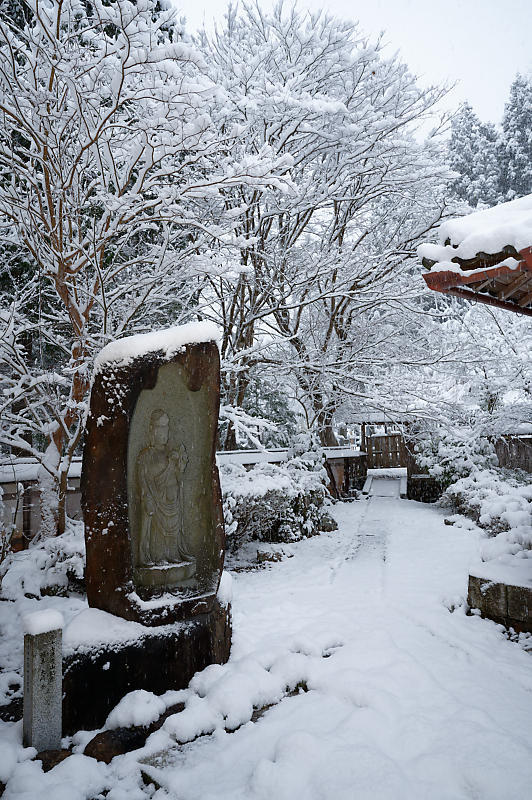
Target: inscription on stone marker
42, 690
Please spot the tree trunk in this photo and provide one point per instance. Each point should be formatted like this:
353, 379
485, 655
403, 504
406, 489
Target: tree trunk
325, 429
61, 500
230, 442
235, 394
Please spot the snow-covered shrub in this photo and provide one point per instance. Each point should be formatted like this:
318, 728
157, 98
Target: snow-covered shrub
273, 502
500, 502
450, 455
53, 565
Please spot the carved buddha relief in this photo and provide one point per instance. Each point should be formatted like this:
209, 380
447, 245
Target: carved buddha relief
150, 487
160, 470
169, 486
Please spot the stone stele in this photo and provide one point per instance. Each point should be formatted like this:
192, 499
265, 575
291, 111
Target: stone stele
150, 488
42, 690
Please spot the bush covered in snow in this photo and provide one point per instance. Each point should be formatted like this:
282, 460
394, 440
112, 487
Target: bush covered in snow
499, 502
274, 502
53, 565
269, 503
450, 455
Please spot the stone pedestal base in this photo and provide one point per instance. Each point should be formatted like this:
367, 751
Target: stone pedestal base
165, 658
165, 576
509, 605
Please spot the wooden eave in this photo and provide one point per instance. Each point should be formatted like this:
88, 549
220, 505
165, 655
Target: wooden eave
491, 283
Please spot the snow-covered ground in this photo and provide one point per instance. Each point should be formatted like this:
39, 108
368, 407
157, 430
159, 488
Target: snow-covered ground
393, 691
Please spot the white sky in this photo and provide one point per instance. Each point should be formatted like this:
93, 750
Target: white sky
479, 43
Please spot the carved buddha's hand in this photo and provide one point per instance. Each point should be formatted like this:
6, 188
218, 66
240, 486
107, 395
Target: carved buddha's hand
175, 458
149, 505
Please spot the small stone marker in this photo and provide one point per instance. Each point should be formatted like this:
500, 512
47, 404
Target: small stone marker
42, 680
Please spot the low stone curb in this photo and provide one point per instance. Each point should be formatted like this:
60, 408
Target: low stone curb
506, 604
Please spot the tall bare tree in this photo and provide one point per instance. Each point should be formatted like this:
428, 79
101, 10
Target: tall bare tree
313, 259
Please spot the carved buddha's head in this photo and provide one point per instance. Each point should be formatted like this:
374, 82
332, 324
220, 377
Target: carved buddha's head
159, 427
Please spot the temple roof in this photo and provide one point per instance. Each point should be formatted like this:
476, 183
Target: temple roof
485, 257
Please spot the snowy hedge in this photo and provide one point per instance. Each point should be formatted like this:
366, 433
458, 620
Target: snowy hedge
269, 503
273, 502
500, 503
53, 565
450, 455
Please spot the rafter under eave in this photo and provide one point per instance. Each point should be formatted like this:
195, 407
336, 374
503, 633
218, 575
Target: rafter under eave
450, 282
477, 297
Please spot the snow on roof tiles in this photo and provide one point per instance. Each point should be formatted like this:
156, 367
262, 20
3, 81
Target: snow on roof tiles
487, 231
489, 252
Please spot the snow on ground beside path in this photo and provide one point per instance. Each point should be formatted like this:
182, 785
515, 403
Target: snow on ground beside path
399, 697
412, 702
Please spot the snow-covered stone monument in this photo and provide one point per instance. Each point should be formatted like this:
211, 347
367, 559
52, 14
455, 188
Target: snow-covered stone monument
153, 517
150, 487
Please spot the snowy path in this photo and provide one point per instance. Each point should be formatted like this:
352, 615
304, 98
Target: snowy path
400, 699
412, 701
385, 487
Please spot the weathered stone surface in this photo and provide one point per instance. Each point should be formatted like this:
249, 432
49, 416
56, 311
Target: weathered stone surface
150, 489
94, 681
504, 603
154, 529
108, 744
519, 599
51, 758
42, 690
493, 600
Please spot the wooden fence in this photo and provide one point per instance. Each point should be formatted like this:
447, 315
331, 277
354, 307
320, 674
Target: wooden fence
346, 468
386, 451
515, 452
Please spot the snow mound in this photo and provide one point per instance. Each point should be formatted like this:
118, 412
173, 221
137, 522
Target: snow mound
43, 622
54, 565
136, 708
8, 759
224, 696
93, 627
169, 341
502, 507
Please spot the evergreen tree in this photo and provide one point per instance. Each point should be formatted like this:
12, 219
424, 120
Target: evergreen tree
473, 155
515, 150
